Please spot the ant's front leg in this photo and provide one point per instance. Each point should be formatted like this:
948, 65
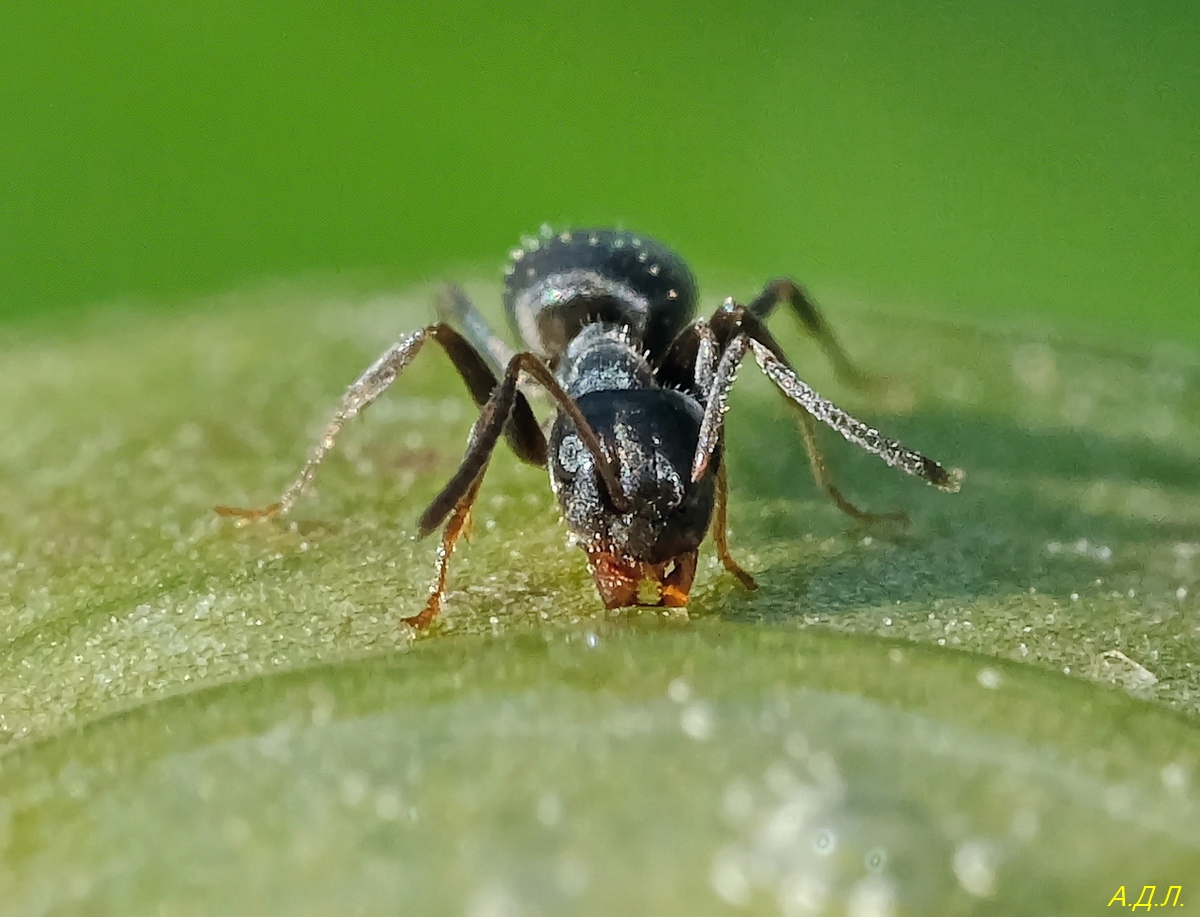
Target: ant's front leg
521, 426
690, 364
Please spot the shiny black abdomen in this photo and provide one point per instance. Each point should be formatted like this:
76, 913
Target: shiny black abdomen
558, 283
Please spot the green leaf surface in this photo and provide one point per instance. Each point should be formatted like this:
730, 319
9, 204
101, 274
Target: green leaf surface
993, 712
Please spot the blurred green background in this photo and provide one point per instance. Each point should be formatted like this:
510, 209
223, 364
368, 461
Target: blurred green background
197, 719
1029, 162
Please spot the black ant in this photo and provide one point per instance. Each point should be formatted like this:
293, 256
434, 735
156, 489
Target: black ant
635, 450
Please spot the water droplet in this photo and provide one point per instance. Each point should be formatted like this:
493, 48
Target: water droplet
975, 869
728, 877
989, 678
679, 690
697, 721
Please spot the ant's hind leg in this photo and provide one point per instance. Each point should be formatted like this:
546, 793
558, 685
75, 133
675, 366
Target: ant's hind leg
456, 309
520, 425
361, 393
796, 297
820, 473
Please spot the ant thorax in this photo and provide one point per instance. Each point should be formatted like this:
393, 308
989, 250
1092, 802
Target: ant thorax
604, 357
649, 433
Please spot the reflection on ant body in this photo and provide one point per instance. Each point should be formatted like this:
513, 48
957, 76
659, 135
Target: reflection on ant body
640, 385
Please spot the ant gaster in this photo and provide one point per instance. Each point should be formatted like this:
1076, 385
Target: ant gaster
635, 450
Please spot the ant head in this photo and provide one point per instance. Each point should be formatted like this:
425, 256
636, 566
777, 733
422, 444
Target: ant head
646, 556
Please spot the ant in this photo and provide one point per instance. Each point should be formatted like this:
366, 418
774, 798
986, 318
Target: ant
641, 387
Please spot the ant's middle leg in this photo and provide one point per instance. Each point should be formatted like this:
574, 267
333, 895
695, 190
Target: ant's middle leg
520, 424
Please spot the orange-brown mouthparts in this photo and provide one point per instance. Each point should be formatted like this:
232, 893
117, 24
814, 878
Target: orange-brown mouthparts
623, 581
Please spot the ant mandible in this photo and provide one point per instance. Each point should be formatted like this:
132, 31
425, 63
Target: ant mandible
635, 450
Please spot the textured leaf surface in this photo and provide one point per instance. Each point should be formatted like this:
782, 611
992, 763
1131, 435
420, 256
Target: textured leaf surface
204, 719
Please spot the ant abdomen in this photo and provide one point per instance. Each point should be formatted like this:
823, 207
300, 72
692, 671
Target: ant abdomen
557, 284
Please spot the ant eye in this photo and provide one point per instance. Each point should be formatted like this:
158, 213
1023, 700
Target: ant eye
572, 455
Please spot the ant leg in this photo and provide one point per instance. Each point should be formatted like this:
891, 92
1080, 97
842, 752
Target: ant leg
457, 497
820, 473
373, 382
521, 429
812, 406
721, 532
851, 429
456, 309
457, 525
524, 434
787, 291
712, 424
691, 359
493, 418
